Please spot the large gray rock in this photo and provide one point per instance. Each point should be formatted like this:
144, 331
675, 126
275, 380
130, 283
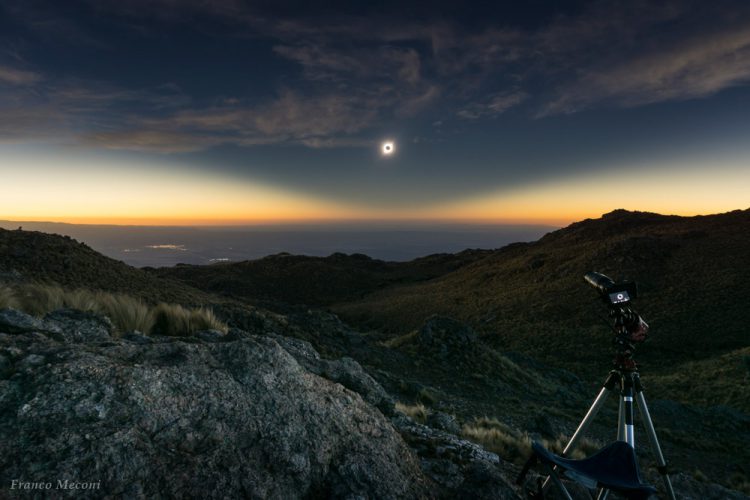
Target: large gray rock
174, 419
78, 326
345, 371
459, 468
13, 321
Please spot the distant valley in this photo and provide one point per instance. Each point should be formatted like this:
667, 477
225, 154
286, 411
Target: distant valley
158, 246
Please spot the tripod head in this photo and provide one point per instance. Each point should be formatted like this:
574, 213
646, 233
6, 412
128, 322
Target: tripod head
629, 327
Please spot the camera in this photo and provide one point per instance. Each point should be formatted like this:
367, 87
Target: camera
630, 327
614, 294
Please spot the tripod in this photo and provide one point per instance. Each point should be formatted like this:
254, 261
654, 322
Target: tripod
617, 459
624, 378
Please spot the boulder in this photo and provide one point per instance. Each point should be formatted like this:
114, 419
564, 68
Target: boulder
13, 321
345, 371
171, 419
78, 326
459, 468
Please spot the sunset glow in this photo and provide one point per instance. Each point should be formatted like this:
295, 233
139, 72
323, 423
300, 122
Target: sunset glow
473, 120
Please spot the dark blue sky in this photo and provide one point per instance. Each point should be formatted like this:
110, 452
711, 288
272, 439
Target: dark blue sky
484, 100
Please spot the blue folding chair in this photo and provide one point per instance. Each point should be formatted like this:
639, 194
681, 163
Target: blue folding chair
613, 468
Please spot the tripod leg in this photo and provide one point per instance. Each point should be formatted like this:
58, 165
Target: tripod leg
585, 423
556, 479
621, 421
651, 433
628, 386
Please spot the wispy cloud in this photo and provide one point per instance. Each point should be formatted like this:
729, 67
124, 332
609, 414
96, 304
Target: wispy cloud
350, 74
494, 105
15, 76
697, 67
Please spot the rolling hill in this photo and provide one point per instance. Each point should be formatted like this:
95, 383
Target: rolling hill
32, 256
693, 275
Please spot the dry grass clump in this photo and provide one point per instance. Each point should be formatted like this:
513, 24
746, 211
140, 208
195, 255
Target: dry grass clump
584, 448
39, 299
497, 437
8, 298
399, 341
416, 412
175, 320
126, 313
515, 446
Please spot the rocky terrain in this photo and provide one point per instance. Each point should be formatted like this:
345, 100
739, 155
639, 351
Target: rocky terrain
216, 416
336, 398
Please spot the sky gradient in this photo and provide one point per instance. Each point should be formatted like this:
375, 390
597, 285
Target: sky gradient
193, 112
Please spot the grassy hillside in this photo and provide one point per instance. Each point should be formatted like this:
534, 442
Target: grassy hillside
34, 256
315, 281
693, 273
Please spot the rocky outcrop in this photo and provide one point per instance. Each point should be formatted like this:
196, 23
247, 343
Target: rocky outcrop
446, 337
460, 469
345, 371
217, 418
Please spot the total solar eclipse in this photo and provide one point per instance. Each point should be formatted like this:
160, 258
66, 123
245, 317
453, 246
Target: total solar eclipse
387, 148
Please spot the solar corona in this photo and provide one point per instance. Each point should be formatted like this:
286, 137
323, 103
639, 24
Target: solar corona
387, 148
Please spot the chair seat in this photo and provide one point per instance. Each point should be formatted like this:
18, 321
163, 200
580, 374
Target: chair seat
613, 467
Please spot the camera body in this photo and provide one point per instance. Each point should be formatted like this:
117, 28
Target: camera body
614, 294
630, 328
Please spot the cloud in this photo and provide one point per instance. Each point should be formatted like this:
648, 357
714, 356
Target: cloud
351, 74
494, 105
16, 76
697, 67
639, 53
158, 141
325, 121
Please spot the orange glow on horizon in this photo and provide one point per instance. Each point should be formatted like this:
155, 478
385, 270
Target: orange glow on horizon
51, 189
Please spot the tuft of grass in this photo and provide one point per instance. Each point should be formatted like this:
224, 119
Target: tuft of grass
416, 412
514, 445
698, 475
175, 320
205, 319
511, 444
584, 448
8, 298
739, 481
126, 313
427, 396
396, 342
38, 299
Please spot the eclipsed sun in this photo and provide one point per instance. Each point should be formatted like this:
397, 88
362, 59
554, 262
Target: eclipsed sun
387, 148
